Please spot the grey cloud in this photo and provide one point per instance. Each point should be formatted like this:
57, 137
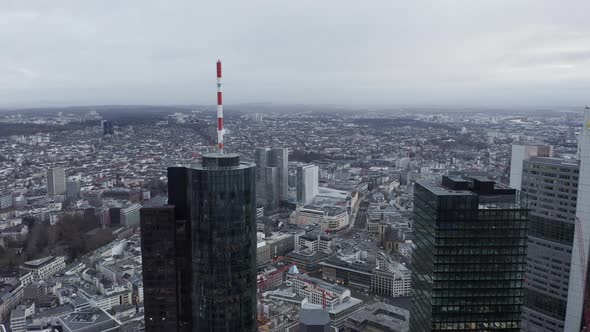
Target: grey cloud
329, 51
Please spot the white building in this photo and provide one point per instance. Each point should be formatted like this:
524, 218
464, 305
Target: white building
330, 218
390, 278
521, 153
56, 181
578, 284
18, 321
44, 268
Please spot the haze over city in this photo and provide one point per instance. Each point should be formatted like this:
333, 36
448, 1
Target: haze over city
340, 52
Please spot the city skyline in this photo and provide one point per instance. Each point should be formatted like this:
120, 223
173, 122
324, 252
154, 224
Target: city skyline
489, 53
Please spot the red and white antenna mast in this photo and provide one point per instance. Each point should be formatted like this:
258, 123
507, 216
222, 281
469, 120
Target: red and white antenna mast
219, 109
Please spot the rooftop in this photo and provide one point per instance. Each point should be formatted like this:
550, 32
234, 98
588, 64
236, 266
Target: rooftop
88, 321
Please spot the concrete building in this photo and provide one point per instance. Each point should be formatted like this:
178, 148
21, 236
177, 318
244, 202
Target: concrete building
577, 299
521, 153
330, 218
551, 185
90, 320
45, 267
307, 183
320, 294
379, 317
56, 181
18, 321
11, 293
130, 215
314, 242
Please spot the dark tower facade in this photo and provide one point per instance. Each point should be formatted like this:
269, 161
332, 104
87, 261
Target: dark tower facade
214, 205
469, 260
107, 128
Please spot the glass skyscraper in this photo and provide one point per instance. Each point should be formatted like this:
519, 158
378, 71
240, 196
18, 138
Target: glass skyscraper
214, 254
469, 257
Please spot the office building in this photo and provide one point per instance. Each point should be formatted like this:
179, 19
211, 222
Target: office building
272, 176
72, 190
578, 305
108, 128
521, 153
45, 267
56, 181
469, 261
307, 183
161, 267
18, 321
211, 250
551, 186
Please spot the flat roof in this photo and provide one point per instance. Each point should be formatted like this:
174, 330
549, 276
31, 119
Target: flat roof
90, 320
38, 262
439, 190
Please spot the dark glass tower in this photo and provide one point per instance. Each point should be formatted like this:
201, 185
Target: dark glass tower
214, 205
469, 260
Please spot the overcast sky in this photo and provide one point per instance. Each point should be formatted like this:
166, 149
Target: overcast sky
386, 52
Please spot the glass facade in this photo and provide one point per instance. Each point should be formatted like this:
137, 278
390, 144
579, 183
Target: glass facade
469, 259
159, 267
223, 244
208, 252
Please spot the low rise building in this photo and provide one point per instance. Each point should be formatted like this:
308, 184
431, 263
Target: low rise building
45, 267
379, 317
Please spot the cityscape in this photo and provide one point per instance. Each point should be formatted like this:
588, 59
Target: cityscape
369, 167
362, 221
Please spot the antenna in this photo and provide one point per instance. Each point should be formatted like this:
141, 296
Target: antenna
219, 109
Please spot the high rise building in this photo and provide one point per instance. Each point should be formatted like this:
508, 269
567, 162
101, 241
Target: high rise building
56, 181
279, 157
107, 128
469, 260
551, 186
272, 176
162, 260
307, 183
578, 306
521, 153
73, 189
209, 237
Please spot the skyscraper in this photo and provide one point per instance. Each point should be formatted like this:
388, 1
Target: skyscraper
578, 306
551, 186
56, 181
279, 157
469, 260
307, 183
212, 251
272, 176
107, 128
162, 257
521, 153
